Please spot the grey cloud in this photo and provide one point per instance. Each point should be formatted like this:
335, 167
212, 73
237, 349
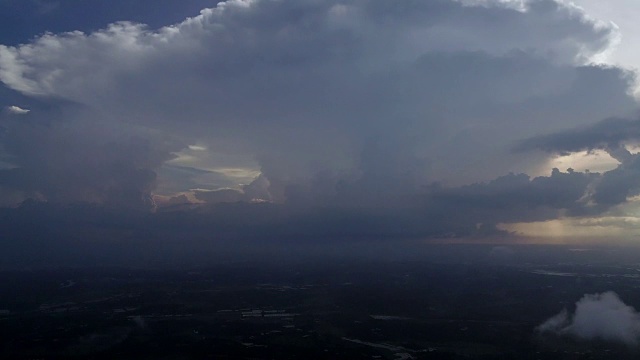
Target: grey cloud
615, 186
73, 159
341, 103
608, 135
598, 316
510, 198
619, 184
435, 211
519, 198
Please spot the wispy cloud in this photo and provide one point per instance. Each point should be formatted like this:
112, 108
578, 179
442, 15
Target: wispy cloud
16, 110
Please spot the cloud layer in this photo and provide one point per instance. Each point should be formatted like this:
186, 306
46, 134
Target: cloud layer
356, 105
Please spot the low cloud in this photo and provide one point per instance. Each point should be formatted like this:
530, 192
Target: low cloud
597, 316
517, 197
16, 110
607, 135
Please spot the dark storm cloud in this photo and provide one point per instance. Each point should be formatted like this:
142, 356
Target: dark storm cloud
435, 212
619, 184
608, 135
64, 160
349, 108
517, 198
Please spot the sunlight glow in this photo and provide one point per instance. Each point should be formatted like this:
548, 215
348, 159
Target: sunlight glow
596, 227
594, 161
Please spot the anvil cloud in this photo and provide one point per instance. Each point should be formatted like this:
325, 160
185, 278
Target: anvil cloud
355, 105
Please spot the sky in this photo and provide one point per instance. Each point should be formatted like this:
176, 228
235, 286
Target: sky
472, 119
624, 14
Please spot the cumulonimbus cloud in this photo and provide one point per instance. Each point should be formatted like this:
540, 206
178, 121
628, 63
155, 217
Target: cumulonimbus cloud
359, 101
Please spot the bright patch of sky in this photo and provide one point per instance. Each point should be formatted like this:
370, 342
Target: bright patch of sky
625, 14
593, 161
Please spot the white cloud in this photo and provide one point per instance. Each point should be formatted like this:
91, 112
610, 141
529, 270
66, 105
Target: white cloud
16, 110
598, 316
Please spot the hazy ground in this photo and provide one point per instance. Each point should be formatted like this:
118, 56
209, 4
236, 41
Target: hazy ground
462, 302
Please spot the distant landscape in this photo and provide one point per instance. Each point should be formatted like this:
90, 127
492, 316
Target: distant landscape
321, 309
